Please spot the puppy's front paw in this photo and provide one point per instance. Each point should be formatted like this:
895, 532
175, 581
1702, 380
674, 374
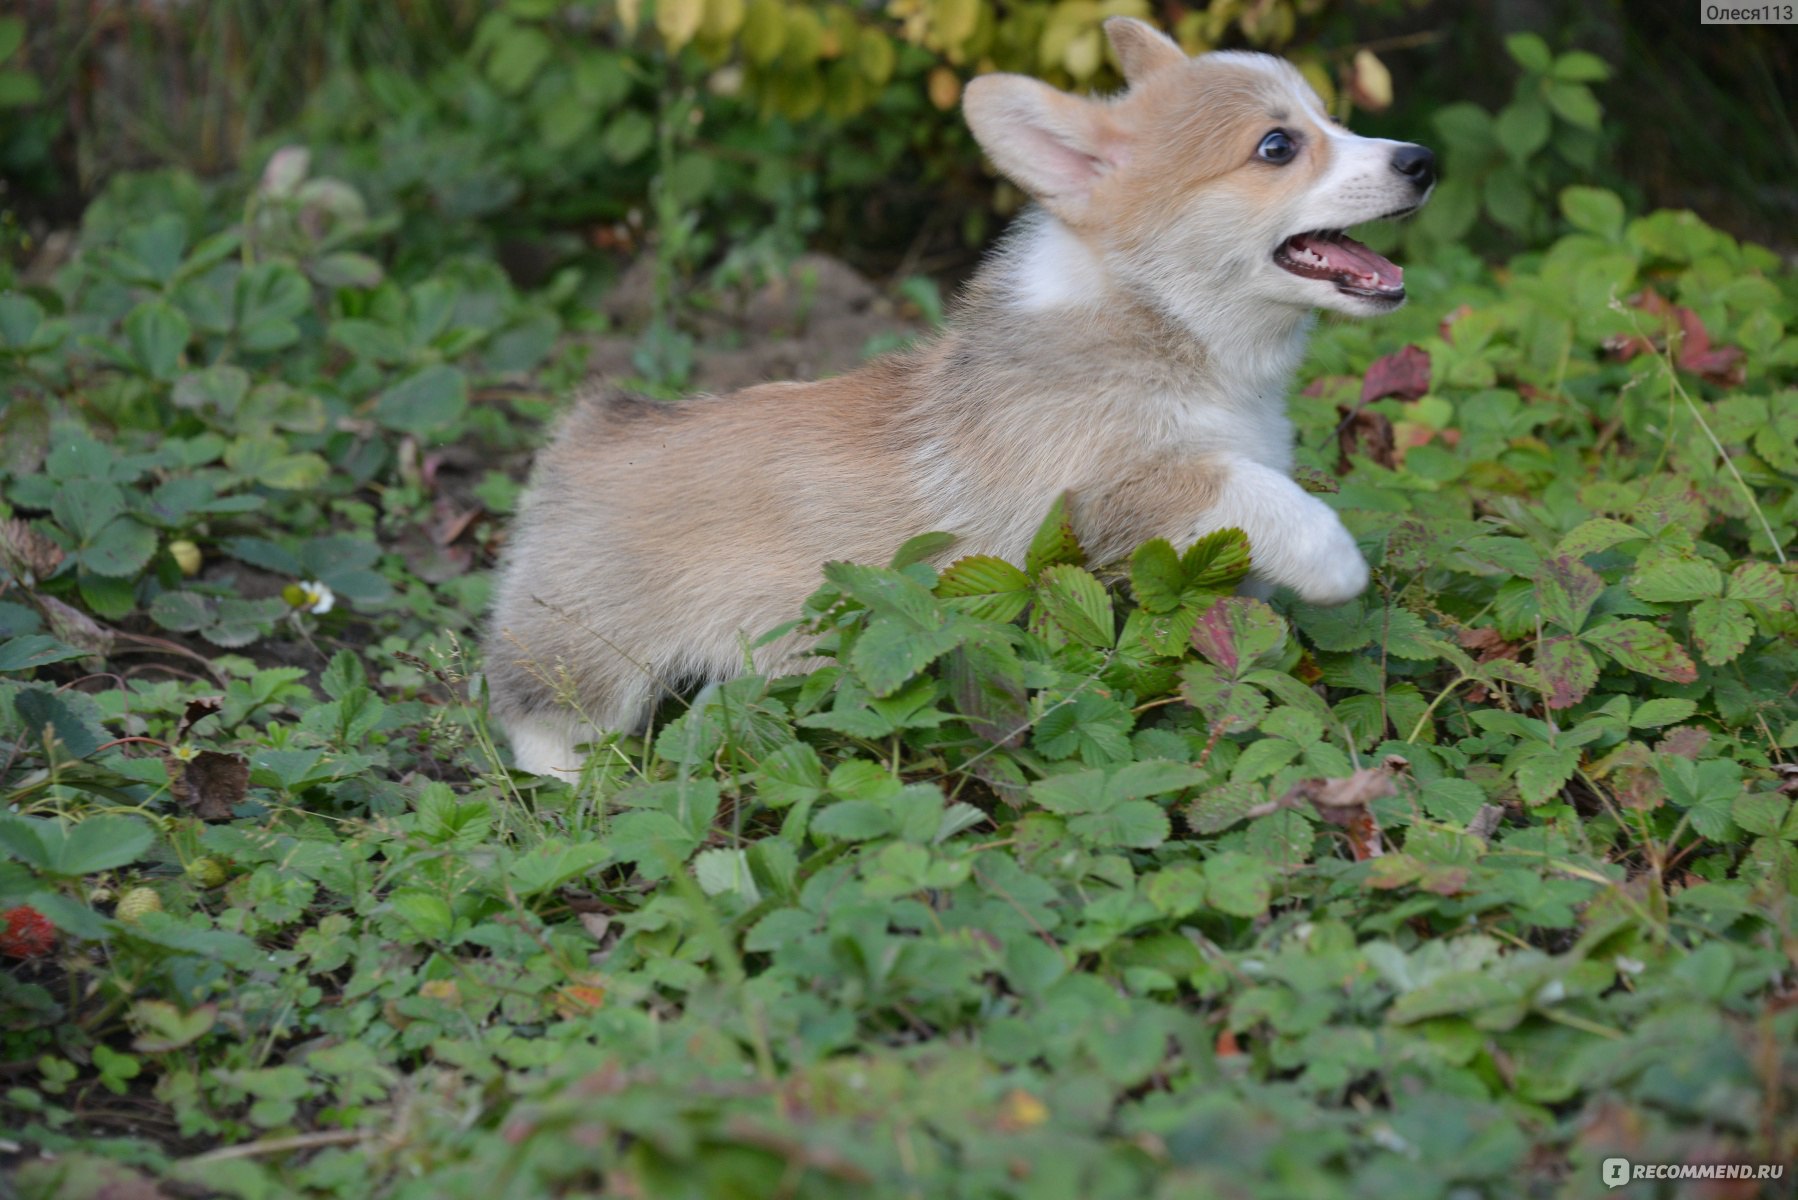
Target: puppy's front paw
1329, 569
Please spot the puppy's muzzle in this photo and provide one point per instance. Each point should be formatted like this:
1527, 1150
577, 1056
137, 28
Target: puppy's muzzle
1416, 163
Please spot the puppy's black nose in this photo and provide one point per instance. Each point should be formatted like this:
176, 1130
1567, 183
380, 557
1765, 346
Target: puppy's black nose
1416, 163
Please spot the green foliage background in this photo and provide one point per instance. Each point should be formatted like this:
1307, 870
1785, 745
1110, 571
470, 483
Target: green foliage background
1061, 880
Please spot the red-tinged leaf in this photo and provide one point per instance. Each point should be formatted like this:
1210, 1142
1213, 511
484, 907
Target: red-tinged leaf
1325, 387
1566, 589
1368, 434
1405, 374
1721, 629
1688, 741
210, 783
1568, 671
1621, 347
1236, 631
1719, 364
1488, 644
1641, 647
1758, 583
1446, 328
1695, 339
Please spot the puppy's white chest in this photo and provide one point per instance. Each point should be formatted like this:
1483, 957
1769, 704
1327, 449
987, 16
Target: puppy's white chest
1258, 432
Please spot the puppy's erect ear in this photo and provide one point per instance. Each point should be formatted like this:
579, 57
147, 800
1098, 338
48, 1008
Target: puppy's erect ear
1055, 146
1141, 48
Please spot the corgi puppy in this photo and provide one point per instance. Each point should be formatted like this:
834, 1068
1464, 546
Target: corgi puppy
1131, 343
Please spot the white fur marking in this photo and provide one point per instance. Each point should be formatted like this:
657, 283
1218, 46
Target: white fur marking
1053, 268
547, 747
1295, 539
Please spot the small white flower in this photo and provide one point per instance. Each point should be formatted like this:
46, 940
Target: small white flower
316, 597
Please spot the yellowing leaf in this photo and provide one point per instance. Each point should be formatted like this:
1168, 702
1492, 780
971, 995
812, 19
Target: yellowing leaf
764, 31
1083, 55
678, 20
874, 54
721, 19
1370, 83
955, 21
944, 88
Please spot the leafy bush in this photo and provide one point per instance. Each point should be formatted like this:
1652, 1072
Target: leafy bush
1061, 879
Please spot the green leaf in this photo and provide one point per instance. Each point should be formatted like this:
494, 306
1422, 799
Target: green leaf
918, 549
722, 871
1139, 824
1566, 589
1092, 725
45, 711
1576, 66
1653, 714
1076, 792
1765, 814
517, 55
20, 318
1227, 703
1076, 601
1237, 883
165, 1027
1575, 104
1721, 629
1156, 576
346, 269
1509, 199
157, 333
1671, 580
1054, 542
1599, 533
853, 821
121, 549
1542, 771
35, 650
1522, 128
628, 136
99, 843
427, 402
426, 914
1530, 51
85, 511
1218, 561
1641, 647
890, 652
555, 862
103, 843
985, 587
1595, 210
268, 298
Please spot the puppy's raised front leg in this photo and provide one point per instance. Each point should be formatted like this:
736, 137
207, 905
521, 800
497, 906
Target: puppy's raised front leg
1295, 539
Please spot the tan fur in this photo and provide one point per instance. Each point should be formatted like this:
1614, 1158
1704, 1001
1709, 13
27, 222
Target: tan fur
657, 540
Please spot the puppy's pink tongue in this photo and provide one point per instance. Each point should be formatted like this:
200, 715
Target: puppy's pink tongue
1348, 257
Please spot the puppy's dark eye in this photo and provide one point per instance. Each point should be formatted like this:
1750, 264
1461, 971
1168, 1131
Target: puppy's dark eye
1277, 147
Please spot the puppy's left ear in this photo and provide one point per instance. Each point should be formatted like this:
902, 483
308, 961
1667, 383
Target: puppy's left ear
1141, 48
1055, 146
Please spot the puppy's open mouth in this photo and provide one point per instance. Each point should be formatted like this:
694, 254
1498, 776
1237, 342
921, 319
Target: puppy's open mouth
1355, 270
